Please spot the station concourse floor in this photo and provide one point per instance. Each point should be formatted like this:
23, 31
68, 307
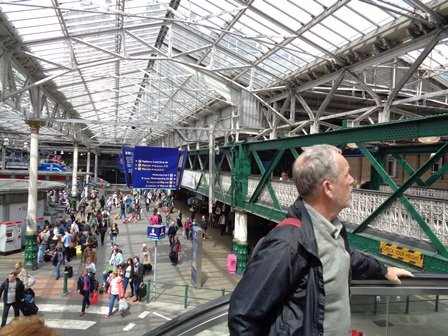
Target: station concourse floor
62, 312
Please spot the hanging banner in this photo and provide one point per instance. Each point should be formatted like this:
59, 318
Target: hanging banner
155, 167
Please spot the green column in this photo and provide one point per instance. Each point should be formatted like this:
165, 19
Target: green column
30, 261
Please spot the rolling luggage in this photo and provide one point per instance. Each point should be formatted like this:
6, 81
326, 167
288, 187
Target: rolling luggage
47, 257
173, 257
142, 290
28, 309
69, 269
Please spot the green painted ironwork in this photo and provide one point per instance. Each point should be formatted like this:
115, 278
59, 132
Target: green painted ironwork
397, 193
239, 159
375, 177
65, 288
394, 130
266, 175
294, 153
190, 163
30, 261
437, 175
407, 167
269, 184
218, 175
241, 172
371, 244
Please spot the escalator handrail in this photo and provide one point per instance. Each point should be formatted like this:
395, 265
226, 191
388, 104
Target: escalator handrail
421, 284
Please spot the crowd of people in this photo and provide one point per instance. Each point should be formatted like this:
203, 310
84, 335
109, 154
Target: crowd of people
83, 229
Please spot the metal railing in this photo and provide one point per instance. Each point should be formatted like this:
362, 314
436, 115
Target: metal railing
185, 292
213, 315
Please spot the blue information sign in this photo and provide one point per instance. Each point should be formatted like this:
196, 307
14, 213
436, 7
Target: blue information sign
155, 232
155, 167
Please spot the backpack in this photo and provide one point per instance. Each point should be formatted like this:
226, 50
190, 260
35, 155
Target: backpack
287, 221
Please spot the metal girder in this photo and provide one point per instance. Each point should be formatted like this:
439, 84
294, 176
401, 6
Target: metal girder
398, 193
267, 175
227, 28
360, 65
433, 14
365, 87
394, 130
329, 97
305, 105
432, 43
316, 20
407, 167
269, 185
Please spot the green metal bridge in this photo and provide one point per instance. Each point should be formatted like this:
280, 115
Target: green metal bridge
392, 222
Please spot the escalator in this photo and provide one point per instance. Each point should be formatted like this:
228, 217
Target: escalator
381, 299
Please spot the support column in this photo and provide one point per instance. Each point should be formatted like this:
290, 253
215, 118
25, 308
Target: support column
31, 230
211, 167
74, 173
95, 169
3, 157
86, 189
240, 242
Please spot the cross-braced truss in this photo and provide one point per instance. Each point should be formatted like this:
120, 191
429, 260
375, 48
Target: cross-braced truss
111, 72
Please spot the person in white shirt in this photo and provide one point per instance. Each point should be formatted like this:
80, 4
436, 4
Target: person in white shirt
116, 258
116, 290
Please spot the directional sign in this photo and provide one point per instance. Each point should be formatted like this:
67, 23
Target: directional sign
155, 232
155, 167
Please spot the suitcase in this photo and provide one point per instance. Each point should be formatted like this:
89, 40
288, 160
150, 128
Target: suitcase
142, 290
69, 269
28, 309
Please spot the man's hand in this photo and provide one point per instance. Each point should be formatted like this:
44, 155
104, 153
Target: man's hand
394, 274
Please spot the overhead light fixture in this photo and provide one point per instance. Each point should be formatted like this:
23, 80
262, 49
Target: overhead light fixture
62, 152
352, 145
429, 140
5, 142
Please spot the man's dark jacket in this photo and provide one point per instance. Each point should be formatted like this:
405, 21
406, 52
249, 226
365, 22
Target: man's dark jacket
282, 290
20, 288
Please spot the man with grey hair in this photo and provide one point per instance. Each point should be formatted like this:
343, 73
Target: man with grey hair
297, 282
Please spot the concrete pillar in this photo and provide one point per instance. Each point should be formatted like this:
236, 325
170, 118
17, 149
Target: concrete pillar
31, 230
240, 226
86, 189
75, 169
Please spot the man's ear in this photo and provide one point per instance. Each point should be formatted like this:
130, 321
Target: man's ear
327, 189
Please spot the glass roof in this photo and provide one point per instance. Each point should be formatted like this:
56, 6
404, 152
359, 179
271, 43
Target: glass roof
138, 61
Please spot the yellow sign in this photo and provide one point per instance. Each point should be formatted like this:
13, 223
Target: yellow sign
402, 253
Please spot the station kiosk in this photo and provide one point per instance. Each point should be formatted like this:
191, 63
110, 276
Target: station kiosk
10, 237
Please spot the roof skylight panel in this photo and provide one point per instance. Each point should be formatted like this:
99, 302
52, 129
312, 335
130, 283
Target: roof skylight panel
279, 10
